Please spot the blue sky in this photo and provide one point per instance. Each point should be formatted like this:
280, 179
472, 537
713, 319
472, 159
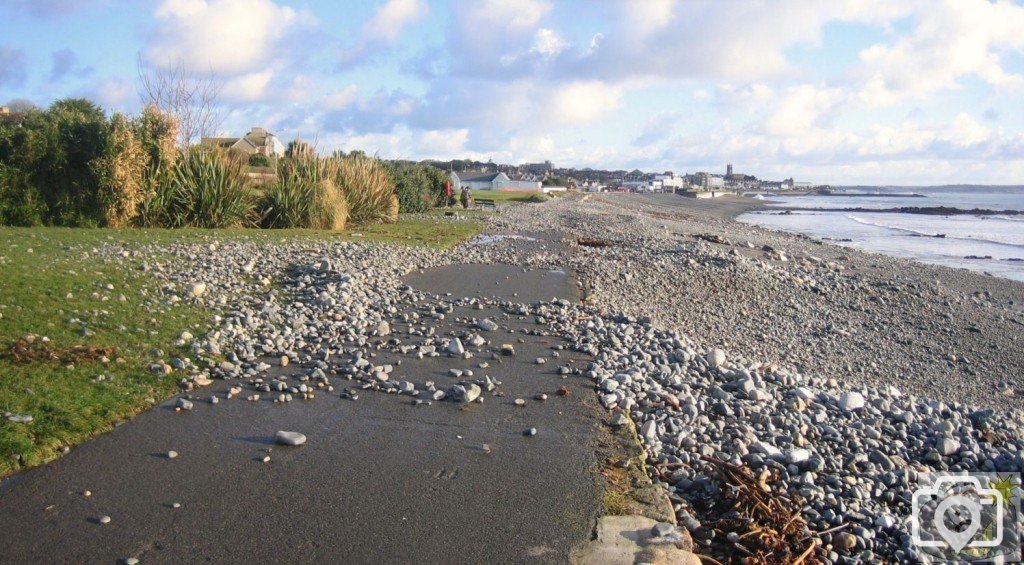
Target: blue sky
845, 91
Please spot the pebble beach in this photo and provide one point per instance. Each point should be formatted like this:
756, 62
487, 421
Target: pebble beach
839, 378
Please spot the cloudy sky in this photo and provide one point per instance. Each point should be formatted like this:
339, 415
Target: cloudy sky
840, 91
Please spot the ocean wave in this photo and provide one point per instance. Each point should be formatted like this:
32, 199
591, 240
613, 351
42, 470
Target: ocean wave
919, 233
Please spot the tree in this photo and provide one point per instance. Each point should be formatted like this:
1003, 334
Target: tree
191, 100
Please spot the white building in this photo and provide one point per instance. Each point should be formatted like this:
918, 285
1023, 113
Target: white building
476, 180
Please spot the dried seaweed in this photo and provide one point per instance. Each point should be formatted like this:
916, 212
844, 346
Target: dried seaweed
770, 526
24, 351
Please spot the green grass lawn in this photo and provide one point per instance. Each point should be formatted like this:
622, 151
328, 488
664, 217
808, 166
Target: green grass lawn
52, 285
507, 196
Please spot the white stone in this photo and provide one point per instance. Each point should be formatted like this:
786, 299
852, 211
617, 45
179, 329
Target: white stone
455, 347
289, 438
804, 393
797, 455
715, 357
947, 446
851, 401
487, 325
650, 429
197, 289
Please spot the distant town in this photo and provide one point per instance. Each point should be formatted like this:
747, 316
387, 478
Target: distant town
532, 176
545, 177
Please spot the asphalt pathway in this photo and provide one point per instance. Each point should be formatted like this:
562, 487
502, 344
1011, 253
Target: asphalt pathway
380, 480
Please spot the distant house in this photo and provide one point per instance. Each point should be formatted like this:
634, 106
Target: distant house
476, 180
482, 181
258, 140
635, 180
528, 177
636, 175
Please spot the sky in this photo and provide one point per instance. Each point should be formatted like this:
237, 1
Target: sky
910, 92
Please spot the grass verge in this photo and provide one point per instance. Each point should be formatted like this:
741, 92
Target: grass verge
510, 196
54, 285
628, 487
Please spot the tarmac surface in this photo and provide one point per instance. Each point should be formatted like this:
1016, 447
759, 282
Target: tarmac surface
380, 480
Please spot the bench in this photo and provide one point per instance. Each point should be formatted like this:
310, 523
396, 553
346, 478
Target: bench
484, 202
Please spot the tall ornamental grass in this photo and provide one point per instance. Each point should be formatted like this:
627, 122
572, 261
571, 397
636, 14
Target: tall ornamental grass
209, 190
305, 195
122, 173
368, 189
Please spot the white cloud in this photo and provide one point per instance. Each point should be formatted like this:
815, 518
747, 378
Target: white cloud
950, 40
341, 98
510, 15
391, 19
733, 40
249, 87
511, 82
225, 37
962, 137
657, 128
747, 97
645, 17
485, 35
547, 43
584, 101
802, 109
383, 29
441, 143
965, 131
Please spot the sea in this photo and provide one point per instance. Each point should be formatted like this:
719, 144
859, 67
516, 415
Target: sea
992, 244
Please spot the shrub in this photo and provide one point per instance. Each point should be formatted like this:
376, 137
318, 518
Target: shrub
412, 185
305, 196
209, 190
58, 149
158, 134
121, 171
20, 203
154, 211
438, 180
366, 186
259, 160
